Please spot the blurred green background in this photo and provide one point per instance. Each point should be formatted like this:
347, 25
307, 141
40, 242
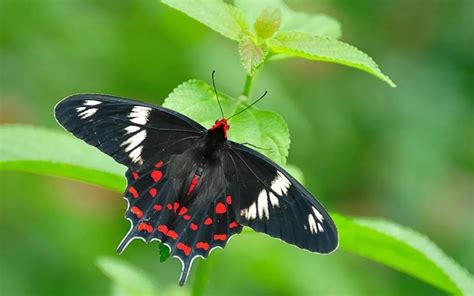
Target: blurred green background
365, 149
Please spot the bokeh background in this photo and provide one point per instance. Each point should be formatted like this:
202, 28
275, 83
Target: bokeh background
405, 154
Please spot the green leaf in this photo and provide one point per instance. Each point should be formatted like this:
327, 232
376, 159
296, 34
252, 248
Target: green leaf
223, 18
251, 54
324, 49
378, 240
164, 252
127, 279
44, 151
295, 172
261, 128
314, 24
267, 23
405, 250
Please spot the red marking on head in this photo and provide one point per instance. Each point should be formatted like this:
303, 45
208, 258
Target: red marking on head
220, 208
202, 245
156, 175
172, 234
193, 226
185, 248
228, 199
175, 206
157, 207
137, 212
221, 237
133, 191
134, 175
187, 217
169, 206
233, 225
163, 229
208, 221
145, 226
221, 123
153, 192
183, 211
159, 164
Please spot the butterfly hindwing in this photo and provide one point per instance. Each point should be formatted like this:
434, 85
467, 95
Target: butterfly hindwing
273, 202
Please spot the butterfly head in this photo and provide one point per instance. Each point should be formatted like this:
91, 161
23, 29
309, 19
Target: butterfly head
221, 124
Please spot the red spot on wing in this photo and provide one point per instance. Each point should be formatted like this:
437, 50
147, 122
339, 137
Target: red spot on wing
159, 164
137, 212
157, 207
220, 208
163, 229
208, 221
202, 245
187, 217
185, 248
156, 175
193, 184
193, 226
221, 237
175, 206
233, 225
144, 226
169, 206
182, 211
172, 234
153, 192
228, 199
133, 191
134, 175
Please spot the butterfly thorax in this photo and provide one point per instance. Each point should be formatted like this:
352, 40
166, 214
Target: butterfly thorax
216, 137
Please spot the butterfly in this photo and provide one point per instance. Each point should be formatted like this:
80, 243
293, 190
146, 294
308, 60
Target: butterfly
192, 188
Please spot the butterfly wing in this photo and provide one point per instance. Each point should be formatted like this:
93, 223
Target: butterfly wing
129, 131
273, 202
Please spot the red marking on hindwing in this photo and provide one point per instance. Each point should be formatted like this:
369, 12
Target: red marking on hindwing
187, 217
159, 164
157, 207
156, 175
153, 192
193, 226
175, 206
137, 212
194, 182
169, 206
233, 225
172, 234
221, 208
133, 191
208, 221
134, 175
221, 237
202, 245
182, 211
185, 248
228, 199
163, 229
144, 226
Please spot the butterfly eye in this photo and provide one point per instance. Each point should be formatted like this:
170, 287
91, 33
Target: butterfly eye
228, 126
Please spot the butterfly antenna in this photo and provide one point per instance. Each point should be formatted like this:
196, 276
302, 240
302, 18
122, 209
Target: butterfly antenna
215, 91
255, 102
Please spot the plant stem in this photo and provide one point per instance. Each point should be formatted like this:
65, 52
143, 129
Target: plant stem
202, 277
248, 85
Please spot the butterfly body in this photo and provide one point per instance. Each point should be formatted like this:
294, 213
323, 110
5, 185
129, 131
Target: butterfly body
192, 188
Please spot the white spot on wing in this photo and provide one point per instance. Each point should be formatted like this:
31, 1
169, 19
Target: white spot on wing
250, 213
312, 224
320, 227
318, 214
280, 184
136, 155
131, 129
139, 115
80, 109
87, 113
263, 205
91, 102
274, 200
134, 141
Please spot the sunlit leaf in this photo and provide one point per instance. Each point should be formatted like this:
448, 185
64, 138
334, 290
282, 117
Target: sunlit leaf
267, 23
126, 278
216, 14
324, 49
251, 54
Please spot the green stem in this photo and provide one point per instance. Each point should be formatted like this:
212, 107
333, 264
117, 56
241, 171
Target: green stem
202, 277
248, 85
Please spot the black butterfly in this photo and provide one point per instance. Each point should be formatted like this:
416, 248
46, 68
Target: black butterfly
190, 187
